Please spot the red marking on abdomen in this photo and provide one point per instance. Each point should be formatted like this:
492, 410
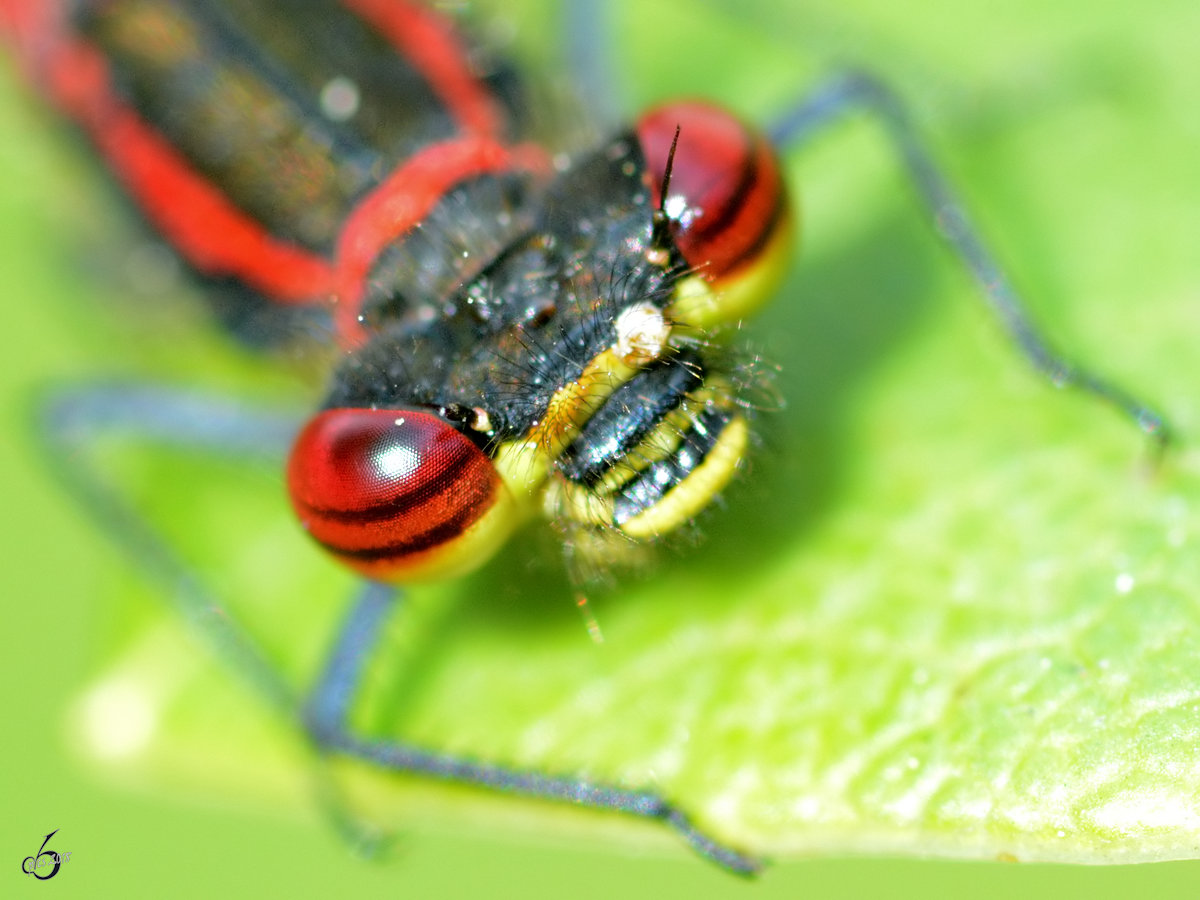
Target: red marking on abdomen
427, 40
403, 200
207, 229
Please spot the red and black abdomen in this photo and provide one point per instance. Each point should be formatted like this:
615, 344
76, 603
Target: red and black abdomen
249, 132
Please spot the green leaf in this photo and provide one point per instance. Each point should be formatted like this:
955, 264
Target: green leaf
947, 610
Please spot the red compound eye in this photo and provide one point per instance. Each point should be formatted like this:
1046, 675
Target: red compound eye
726, 195
397, 494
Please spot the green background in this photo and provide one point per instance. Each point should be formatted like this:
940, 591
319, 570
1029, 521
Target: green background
916, 458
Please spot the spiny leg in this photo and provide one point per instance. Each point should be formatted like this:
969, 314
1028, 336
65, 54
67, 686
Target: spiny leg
856, 91
72, 421
334, 693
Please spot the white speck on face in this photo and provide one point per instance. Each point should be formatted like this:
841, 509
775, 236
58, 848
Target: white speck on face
642, 331
339, 99
481, 421
1124, 583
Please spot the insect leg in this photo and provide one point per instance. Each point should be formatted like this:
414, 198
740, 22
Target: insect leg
588, 37
71, 421
857, 91
326, 719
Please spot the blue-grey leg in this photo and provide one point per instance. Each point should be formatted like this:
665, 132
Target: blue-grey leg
856, 91
587, 27
71, 421
326, 717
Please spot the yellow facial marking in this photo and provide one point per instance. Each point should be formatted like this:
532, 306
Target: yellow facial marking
700, 303
641, 335
697, 490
